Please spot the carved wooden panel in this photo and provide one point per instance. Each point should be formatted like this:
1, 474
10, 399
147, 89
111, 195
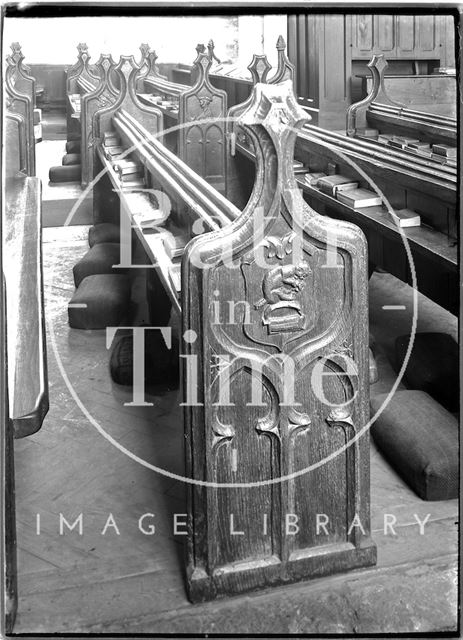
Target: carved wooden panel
20, 104
23, 80
282, 362
104, 96
202, 142
127, 102
83, 71
15, 148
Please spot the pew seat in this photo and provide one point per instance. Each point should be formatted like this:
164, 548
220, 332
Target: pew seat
100, 259
100, 301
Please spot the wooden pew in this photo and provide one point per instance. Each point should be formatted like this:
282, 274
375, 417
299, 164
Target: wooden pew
379, 111
201, 144
435, 93
22, 236
23, 364
408, 181
326, 318
104, 95
20, 96
80, 79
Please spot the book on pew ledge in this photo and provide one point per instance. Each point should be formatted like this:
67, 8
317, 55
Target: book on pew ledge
298, 167
175, 242
312, 178
125, 166
130, 177
332, 184
112, 152
133, 184
367, 132
109, 136
444, 150
384, 138
407, 218
358, 198
401, 142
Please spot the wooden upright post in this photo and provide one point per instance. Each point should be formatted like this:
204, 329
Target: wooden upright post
275, 376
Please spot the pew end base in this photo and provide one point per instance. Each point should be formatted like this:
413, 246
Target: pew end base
303, 566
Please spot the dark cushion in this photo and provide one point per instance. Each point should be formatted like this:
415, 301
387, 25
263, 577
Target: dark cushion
106, 297
161, 363
70, 173
70, 159
420, 440
104, 232
73, 146
99, 259
432, 367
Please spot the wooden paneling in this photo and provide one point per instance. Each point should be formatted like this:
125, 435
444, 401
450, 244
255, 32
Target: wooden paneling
417, 37
384, 35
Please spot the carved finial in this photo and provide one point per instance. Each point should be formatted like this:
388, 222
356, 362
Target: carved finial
82, 47
378, 63
151, 60
259, 68
285, 69
126, 69
105, 63
276, 109
202, 64
200, 48
281, 44
210, 49
17, 54
144, 49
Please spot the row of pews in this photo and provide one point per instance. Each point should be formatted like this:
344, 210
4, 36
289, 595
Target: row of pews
411, 157
24, 381
91, 88
247, 461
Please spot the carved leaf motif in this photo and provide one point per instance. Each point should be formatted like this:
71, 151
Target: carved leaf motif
279, 247
223, 430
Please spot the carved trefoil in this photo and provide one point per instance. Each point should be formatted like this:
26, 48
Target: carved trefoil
285, 365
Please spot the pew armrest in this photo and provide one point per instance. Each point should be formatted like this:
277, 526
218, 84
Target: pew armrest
28, 382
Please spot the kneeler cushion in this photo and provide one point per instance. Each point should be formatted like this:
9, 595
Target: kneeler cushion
420, 440
99, 259
432, 367
70, 173
161, 363
73, 146
104, 232
107, 299
70, 159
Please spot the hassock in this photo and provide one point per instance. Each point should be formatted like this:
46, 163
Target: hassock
420, 440
99, 259
70, 173
100, 301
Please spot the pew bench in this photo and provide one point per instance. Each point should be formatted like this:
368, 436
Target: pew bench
25, 313
380, 116
303, 316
